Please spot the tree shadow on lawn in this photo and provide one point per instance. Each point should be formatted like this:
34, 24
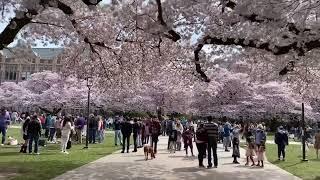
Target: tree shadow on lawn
40, 169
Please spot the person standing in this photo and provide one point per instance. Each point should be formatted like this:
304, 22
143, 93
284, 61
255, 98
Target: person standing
281, 140
135, 130
179, 135
126, 129
317, 143
52, 129
79, 125
235, 144
14, 117
226, 136
48, 122
139, 138
3, 126
155, 132
34, 132
93, 126
201, 142
212, 133
65, 134
101, 128
169, 131
25, 135
117, 132
187, 139
260, 138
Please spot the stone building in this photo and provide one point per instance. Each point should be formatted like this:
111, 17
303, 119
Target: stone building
18, 63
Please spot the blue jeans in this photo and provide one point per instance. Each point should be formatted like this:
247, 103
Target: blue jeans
51, 133
117, 137
3, 131
100, 136
34, 138
92, 135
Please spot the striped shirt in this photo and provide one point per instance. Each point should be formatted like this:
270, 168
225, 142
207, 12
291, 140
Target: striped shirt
211, 130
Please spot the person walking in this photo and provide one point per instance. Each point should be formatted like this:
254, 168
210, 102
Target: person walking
281, 140
65, 134
135, 130
201, 142
3, 126
212, 133
317, 143
126, 130
226, 136
117, 132
155, 132
34, 132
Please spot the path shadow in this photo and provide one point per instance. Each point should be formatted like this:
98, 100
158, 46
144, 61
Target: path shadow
188, 169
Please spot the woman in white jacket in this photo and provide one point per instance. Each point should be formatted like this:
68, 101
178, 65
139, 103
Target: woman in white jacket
65, 134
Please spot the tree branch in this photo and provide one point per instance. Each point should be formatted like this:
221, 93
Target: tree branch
17, 23
171, 34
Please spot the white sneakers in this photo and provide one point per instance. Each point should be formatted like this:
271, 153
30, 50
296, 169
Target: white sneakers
65, 152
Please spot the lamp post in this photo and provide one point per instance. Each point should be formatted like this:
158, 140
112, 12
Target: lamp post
89, 85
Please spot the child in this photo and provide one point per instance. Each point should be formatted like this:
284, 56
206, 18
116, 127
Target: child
187, 138
250, 149
261, 152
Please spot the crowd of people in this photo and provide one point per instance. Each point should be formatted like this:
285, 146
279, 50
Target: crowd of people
37, 129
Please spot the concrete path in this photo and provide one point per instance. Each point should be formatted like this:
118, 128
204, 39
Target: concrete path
168, 166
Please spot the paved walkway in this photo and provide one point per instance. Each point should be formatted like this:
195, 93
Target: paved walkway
168, 166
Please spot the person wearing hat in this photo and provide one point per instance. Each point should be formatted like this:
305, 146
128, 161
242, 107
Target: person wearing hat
281, 139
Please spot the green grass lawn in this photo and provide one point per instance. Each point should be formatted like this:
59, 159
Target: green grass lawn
306, 170
50, 163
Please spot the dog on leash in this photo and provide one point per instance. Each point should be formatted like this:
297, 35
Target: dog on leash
148, 150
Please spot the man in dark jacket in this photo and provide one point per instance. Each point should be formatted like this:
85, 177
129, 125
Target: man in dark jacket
126, 130
135, 130
169, 129
212, 133
155, 132
93, 126
34, 132
281, 139
201, 140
